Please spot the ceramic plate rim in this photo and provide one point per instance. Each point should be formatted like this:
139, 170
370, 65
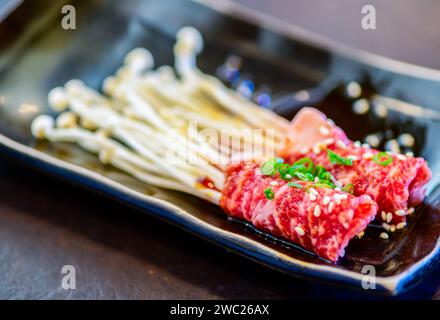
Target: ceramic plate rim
388, 285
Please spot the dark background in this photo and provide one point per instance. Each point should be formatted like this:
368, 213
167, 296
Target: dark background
120, 253
407, 30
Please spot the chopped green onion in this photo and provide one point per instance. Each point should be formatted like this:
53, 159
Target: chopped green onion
299, 168
319, 171
306, 162
304, 169
269, 193
294, 184
327, 176
336, 159
324, 185
285, 171
349, 188
300, 175
378, 158
304, 176
269, 167
310, 176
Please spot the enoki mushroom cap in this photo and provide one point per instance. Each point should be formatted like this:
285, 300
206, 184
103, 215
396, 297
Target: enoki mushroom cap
41, 126
88, 124
109, 85
58, 100
166, 73
121, 88
105, 155
67, 120
191, 39
124, 73
139, 59
74, 86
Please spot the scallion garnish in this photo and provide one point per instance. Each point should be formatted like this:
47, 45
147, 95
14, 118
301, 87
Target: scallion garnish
306, 162
269, 168
304, 176
337, 159
284, 169
324, 185
319, 171
294, 184
383, 158
322, 173
349, 188
269, 193
304, 170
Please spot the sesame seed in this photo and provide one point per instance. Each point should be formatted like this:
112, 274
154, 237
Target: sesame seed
384, 235
317, 211
330, 122
409, 154
316, 149
324, 131
389, 217
341, 144
328, 141
313, 191
357, 144
401, 225
393, 146
373, 140
406, 140
384, 215
288, 176
330, 207
381, 110
316, 180
312, 197
361, 106
338, 189
352, 157
300, 231
386, 226
401, 157
410, 210
400, 213
339, 197
392, 228
274, 183
353, 89
326, 200
367, 155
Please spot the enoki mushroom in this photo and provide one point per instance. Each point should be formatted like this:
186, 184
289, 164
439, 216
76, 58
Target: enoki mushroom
166, 129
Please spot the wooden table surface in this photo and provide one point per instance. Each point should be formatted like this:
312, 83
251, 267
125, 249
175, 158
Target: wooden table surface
121, 253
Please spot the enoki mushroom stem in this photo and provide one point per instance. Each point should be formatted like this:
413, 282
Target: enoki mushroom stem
143, 125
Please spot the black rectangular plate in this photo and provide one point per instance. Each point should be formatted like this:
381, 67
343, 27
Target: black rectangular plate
37, 55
